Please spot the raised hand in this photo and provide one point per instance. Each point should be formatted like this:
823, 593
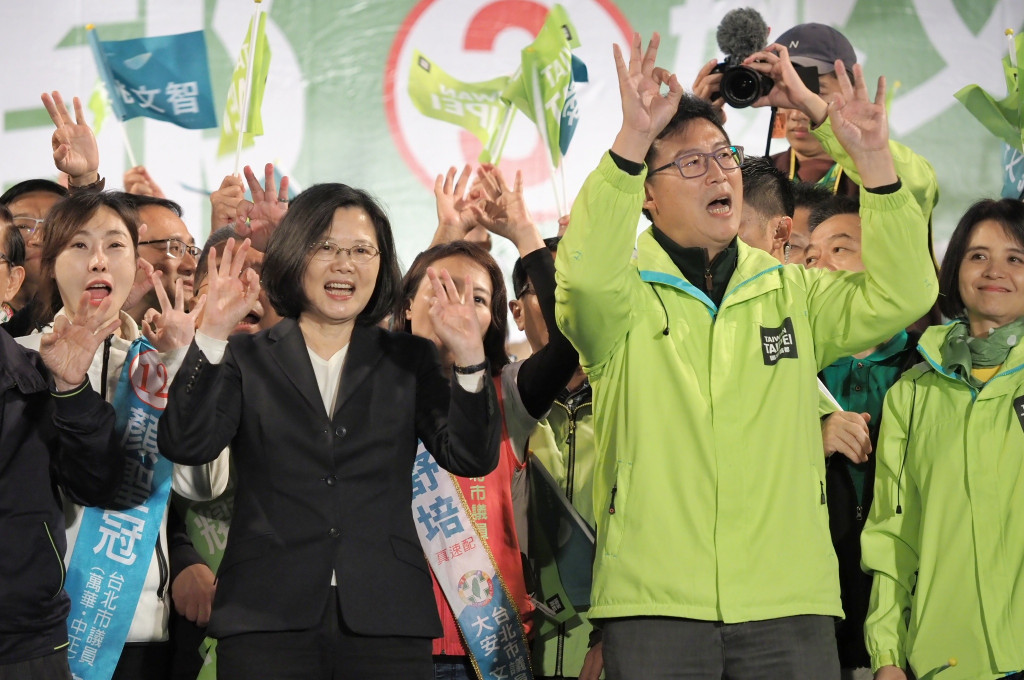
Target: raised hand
860, 124
143, 282
706, 84
645, 111
225, 202
454, 319
258, 218
458, 211
69, 350
504, 210
171, 327
138, 181
74, 145
231, 293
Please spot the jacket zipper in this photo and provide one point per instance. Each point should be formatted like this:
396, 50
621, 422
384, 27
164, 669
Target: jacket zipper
60, 560
611, 508
161, 560
708, 279
822, 485
570, 482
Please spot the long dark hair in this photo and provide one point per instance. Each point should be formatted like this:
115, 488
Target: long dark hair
310, 215
1007, 212
494, 337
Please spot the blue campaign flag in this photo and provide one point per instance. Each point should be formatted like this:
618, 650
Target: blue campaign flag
165, 77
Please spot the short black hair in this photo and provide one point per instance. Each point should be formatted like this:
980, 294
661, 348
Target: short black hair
836, 205
30, 186
140, 201
809, 195
1007, 212
766, 189
309, 217
519, 277
215, 239
13, 243
690, 108
496, 333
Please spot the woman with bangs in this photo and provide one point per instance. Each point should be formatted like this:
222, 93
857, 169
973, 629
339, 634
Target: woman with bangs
943, 536
323, 576
89, 261
493, 507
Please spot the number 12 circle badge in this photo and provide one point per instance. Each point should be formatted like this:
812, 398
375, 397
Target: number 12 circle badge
150, 379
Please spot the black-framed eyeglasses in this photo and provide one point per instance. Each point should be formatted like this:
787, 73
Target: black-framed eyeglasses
174, 247
527, 289
694, 165
326, 251
28, 225
6, 260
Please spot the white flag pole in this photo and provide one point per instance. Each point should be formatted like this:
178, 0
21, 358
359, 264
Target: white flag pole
538, 113
244, 119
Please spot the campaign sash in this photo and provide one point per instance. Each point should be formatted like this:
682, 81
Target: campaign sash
462, 562
111, 557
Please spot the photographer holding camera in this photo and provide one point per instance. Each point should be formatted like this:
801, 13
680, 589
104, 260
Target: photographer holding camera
800, 79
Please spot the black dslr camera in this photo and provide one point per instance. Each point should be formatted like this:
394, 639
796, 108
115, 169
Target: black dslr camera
741, 33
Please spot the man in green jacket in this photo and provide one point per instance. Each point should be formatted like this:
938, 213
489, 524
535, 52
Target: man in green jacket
713, 554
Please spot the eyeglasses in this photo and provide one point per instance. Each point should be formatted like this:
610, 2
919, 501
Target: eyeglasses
6, 260
28, 225
324, 251
694, 165
175, 247
527, 289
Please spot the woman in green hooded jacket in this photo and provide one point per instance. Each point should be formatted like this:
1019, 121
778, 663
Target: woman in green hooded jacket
944, 537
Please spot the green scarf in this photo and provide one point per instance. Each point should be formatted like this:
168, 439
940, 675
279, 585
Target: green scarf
961, 353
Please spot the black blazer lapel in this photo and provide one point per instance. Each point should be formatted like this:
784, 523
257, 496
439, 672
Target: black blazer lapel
364, 351
288, 348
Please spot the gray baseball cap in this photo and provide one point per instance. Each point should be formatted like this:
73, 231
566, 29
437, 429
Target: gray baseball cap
818, 45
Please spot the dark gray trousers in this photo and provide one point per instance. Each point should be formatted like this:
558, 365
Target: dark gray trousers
662, 648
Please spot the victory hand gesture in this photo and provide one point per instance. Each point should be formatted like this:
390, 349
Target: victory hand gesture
171, 327
74, 145
454, 318
68, 351
645, 112
258, 218
231, 293
505, 212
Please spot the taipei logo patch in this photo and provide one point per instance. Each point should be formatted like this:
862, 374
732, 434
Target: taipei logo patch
778, 343
1018, 409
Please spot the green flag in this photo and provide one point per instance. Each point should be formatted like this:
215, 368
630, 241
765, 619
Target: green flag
544, 82
98, 105
232, 119
1004, 118
476, 107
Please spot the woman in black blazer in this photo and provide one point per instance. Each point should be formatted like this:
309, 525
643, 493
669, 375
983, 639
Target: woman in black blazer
323, 575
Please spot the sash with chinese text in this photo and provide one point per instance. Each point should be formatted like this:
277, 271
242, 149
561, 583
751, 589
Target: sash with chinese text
464, 567
111, 557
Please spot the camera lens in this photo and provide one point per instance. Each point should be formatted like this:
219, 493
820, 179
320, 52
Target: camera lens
742, 86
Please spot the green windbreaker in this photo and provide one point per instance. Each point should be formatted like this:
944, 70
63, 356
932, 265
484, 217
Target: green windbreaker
949, 567
710, 476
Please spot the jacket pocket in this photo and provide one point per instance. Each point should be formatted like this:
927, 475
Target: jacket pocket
616, 510
62, 570
409, 553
